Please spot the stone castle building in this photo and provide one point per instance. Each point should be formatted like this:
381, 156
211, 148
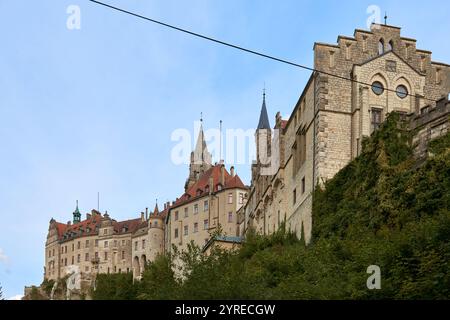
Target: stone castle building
99, 244
357, 82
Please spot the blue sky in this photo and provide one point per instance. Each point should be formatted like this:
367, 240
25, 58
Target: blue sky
93, 110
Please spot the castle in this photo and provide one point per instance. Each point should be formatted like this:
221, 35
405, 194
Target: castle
99, 244
357, 82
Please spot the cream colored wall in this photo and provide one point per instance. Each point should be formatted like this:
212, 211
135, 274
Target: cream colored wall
113, 264
216, 214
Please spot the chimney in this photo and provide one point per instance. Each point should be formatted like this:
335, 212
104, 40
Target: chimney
165, 206
232, 171
222, 175
142, 216
69, 223
146, 213
88, 216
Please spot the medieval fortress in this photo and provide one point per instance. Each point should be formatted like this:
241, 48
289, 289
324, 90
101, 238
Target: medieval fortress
388, 73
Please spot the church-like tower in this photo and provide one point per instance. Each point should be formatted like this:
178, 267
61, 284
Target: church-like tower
263, 136
201, 159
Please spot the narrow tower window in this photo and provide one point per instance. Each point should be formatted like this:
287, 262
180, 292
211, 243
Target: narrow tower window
381, 47
390, 46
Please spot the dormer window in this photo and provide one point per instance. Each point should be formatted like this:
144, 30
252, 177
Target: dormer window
199, 192
219, 187
207, 189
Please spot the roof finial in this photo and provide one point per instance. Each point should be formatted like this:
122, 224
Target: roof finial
77, 204
201, 116
385, 18
264, 91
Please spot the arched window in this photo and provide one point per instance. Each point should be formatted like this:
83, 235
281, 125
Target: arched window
390, 46
381, 47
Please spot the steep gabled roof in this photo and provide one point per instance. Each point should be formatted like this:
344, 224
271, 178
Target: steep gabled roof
201, 187
263, 117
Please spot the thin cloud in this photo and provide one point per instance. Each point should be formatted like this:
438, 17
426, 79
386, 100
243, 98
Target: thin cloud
16, 297
3, 257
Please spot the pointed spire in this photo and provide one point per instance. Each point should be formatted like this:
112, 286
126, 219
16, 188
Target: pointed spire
264, 118
156, 210
201, 154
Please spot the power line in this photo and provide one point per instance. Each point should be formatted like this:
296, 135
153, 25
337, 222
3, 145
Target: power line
248, 50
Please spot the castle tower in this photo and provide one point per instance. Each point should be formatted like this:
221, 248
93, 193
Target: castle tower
76, 215
200, 160
263, 136
155, 234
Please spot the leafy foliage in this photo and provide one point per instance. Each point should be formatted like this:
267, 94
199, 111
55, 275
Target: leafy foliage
379, 210
118, 286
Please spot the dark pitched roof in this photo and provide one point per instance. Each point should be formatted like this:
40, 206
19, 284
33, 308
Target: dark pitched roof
263, 117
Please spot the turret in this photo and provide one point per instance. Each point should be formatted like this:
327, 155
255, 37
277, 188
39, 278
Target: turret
200, 159
263, 135
76, 215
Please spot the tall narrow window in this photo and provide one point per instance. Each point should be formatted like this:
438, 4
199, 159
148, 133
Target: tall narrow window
332, 63
230, 198
381, 47
195, 227
422, 63
303, 185
294, 196
186, 230
348, 51
230, 216
390, 46
376, 118
438, 76
364, 43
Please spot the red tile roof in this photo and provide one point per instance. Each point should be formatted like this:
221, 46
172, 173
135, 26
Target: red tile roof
129, 225
201, 187
90, 227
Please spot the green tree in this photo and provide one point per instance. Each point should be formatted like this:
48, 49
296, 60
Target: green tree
118, 286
